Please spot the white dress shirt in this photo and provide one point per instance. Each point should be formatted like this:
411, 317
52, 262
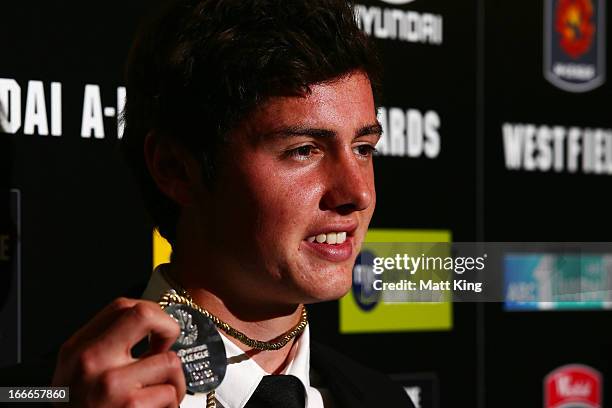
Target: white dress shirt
243, 373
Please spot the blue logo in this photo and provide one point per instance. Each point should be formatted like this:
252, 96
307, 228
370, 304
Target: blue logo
363, 281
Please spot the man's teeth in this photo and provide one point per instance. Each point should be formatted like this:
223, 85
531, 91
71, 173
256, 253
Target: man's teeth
329, 238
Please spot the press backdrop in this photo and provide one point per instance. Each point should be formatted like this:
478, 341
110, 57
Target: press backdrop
496, 121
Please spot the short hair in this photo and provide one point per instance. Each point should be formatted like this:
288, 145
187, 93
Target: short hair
202, 66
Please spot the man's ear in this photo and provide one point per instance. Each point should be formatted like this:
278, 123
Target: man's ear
174, 170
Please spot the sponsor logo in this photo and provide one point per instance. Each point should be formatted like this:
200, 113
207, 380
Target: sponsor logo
557, 281
574, 44
573, 386
44, 119
544, 148
399, 24
363, 279
377, 315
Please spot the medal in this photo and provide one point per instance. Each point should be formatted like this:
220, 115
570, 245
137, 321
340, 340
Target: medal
198, 346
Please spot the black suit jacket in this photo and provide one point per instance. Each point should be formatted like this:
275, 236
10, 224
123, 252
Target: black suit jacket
353, 385
350, 384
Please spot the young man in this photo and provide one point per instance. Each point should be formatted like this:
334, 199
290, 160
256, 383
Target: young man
251, 125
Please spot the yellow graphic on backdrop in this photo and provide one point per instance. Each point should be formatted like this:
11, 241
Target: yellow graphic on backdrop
397, 317
161, 249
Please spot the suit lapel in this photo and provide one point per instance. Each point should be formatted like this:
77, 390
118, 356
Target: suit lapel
342, 384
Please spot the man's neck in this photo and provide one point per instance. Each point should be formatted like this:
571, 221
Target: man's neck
259, 321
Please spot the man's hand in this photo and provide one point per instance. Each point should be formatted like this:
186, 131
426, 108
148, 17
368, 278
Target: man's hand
96, 362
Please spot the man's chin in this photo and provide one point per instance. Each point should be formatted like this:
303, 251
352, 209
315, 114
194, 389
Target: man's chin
328, 291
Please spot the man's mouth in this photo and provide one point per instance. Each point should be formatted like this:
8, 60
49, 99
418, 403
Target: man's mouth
332, 238
333, 246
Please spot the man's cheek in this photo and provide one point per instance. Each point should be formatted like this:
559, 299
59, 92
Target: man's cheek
373, 197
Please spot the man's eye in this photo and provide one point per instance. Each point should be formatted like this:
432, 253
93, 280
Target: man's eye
302, 152
365, 150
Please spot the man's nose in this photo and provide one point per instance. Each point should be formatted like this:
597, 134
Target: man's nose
349, 184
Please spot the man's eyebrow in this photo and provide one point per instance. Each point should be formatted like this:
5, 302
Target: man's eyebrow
289, 131
373, 129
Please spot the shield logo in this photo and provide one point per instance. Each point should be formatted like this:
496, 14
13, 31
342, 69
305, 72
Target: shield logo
575, 44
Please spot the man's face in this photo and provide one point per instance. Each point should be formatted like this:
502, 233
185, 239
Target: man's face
294, 195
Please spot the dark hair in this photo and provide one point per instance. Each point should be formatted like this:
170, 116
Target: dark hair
199, 68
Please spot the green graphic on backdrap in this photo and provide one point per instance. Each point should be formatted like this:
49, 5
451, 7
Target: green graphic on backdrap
548, 281
396, 317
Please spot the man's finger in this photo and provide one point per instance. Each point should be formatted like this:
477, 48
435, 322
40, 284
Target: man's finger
162, 368
134, 324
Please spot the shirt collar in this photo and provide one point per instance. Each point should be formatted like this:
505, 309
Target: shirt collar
243, 373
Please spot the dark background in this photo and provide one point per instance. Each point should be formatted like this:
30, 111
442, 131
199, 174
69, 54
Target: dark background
85, 238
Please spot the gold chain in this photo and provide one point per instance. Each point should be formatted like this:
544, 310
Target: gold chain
274, 344
210, 400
